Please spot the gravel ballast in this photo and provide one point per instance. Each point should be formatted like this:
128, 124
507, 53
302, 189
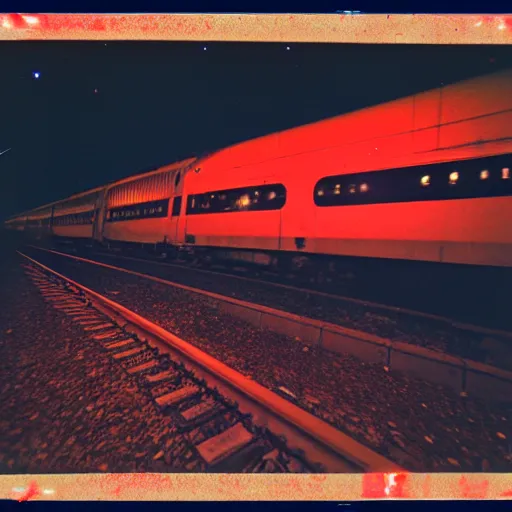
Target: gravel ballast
66, 407
423, 427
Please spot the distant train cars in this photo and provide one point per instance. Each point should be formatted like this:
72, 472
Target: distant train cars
424, 178
74, 217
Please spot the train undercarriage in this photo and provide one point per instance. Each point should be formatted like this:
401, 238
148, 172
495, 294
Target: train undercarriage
480, 295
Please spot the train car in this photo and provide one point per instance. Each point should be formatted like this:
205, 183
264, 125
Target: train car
423, 178
38, 222
16, 223
138, 209
74, 217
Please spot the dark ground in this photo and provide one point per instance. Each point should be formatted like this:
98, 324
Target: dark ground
419, 425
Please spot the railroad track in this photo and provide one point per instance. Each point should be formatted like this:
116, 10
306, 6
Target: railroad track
231, 423
269, 279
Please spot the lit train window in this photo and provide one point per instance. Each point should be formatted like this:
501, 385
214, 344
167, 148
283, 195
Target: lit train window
432, 182
454, 177
245, 201
264, 197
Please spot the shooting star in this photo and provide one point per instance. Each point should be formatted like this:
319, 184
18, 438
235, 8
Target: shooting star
5, 151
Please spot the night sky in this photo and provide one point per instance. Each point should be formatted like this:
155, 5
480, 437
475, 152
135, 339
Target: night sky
102, 111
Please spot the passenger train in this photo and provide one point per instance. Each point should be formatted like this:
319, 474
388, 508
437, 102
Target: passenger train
424, 178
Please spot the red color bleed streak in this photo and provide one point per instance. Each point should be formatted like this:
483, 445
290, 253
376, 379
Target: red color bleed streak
474, 489
115, 484
501, 22
31, 492
44, 22
384, 485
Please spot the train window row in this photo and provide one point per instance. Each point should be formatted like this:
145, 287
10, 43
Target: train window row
259, 198
151, 188
74, 219
150, 210
482, 177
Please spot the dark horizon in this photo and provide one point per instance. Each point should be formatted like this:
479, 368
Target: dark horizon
101, 111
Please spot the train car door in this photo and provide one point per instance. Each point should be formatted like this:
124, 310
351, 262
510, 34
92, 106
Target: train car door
176, 222
266, 177
99, 215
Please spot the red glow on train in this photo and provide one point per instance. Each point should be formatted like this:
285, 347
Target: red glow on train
424, 178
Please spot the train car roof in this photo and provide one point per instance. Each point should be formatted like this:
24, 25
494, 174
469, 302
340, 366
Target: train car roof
167, 167
48, 205
357, 126
381, 120
174, 165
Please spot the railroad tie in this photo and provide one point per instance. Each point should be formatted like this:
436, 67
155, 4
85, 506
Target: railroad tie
84, 317
201, 409
74, 309
119, 344
67, 305
128, 353
142, 357
98, 327
158, 377
177, 396
143, 367
221, 446
93, 320
109, 334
